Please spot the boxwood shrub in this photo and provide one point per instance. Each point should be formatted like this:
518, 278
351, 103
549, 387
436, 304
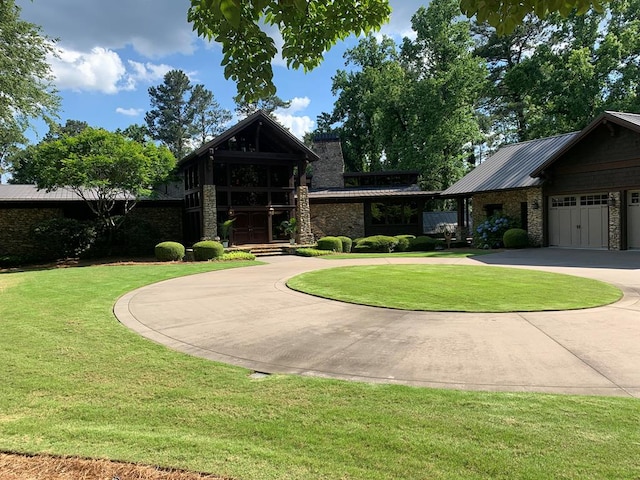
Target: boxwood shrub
403, 242
333, 244
207, 250
347, 243
515, 238
376, 244
169, 251
423, 244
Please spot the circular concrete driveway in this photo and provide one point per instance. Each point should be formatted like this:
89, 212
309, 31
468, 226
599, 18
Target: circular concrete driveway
248, 317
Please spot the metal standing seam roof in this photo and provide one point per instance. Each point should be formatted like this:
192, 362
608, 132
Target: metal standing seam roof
345, 193
30, 193
511, 166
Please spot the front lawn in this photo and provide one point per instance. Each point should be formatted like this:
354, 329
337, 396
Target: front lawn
76, 382
459, 288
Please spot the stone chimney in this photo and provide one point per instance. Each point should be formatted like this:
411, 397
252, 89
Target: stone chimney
328, 171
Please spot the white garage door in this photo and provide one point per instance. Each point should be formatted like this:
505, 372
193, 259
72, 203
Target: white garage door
579, 221
633, 216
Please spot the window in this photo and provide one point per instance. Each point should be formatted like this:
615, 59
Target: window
394, 213
563, 202
492, 209
594, 199
191, 180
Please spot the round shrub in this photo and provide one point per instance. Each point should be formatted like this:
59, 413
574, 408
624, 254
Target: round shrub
347, 243
403, 242
423, 244
333, 244
207, 250
169, 251
515, 238
376, 244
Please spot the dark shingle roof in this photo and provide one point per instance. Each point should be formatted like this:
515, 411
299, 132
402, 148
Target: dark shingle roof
511, 166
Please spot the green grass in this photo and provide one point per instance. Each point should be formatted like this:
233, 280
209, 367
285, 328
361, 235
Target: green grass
459, 288
458, 253
76, 382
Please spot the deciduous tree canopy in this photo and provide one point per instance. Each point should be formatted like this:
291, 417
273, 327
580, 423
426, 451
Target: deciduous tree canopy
101, 167
26, 83
311, 27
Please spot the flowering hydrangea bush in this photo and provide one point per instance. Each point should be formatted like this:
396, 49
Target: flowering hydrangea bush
489, 233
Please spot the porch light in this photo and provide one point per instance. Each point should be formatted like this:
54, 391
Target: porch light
271, 211
231, 212
611, 201
536, 204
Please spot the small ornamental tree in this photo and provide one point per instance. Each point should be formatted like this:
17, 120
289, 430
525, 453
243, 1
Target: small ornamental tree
102, 168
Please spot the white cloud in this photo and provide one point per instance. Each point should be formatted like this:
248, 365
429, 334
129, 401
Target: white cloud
102, 70
99, 70
148, 72
130, 112
299, 125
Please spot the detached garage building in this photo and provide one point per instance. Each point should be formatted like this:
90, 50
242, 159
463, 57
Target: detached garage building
579, 190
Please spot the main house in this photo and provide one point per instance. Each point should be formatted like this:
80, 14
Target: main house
579, 190
259, 174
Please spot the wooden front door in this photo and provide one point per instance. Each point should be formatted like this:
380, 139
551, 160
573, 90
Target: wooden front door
251, 227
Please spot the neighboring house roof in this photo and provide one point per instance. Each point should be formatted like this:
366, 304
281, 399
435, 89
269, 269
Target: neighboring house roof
30, 193
259, 116
373, 192
511, 166
630, 121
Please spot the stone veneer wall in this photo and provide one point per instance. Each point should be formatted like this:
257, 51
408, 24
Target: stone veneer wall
16, 224
328, 171
535, 228
511, 201
338, 219
303, 217
615, 224
209, 212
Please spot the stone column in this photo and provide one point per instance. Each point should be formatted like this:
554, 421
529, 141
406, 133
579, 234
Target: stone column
615, 224
209, 213
303, 217
535, 214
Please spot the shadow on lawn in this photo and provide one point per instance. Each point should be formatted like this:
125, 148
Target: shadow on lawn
562, 257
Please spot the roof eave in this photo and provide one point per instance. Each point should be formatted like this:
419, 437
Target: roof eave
603, 118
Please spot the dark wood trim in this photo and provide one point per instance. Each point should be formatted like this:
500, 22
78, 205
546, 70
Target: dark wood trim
251, 157
597, 167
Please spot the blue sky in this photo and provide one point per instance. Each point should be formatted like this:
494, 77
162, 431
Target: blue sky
111, 51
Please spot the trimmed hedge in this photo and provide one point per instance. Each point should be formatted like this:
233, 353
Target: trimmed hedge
376, 244
515, 238
312, 252
347, 243
207, 250
423, 244
169, 251
333, 244
238, 256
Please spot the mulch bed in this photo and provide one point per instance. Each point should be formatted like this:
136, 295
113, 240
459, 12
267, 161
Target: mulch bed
44, 467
